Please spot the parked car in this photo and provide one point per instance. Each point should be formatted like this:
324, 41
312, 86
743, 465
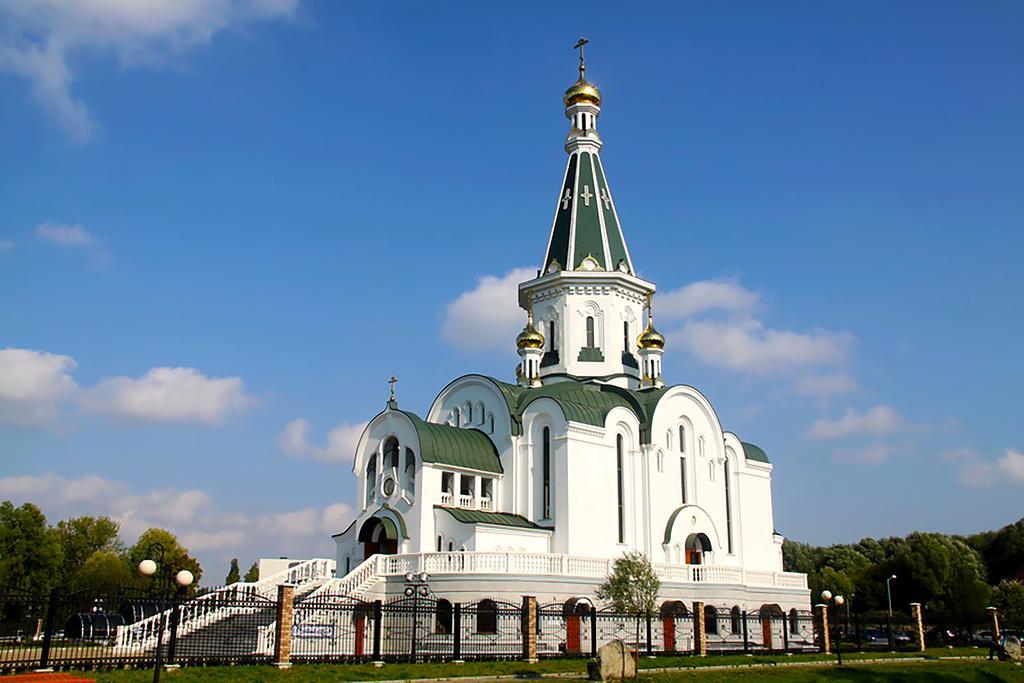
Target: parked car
874, 636
982, 638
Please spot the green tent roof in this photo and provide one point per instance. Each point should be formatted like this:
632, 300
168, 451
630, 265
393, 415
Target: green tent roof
756, 453
494, 518
468, 448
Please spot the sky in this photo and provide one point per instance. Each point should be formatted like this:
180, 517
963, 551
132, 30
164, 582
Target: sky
226, 224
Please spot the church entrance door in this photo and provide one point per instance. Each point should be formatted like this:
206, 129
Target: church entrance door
379, 536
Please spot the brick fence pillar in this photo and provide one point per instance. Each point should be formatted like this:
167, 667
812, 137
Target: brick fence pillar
700, 630
529, 624
821, 618
283, 636
994, 613
915, 614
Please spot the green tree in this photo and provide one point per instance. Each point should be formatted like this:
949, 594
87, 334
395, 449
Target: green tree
30, 551
233, 573
1004, 552
104, 572
1008, 597
176, 556
253, 574
632, 587
82, 537
799, 557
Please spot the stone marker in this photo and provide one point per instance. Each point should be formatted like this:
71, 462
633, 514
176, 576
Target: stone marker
614, 662
1013, 649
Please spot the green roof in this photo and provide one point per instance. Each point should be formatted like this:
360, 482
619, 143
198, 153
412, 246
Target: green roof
468, 448
585, 220
494, 518
586, 402
756, 453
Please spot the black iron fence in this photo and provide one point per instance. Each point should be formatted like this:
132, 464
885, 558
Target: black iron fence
89, 630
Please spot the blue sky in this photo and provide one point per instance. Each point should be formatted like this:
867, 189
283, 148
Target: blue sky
225, 225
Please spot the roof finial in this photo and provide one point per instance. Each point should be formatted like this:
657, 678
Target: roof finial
579, 46
393, 381
650, 307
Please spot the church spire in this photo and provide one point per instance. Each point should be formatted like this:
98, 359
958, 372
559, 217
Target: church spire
586, 234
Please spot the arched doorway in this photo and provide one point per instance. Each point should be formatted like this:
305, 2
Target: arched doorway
771, 615
698, 547
379, 536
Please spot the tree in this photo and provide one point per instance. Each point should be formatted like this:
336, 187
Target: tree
233, 575
632, 587
30, 551
1008, 598
82, 537
253, 574
104, 572
176, 556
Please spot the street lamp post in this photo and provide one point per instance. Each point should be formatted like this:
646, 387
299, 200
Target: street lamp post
416, 586
184, 578
838, 601
888, 593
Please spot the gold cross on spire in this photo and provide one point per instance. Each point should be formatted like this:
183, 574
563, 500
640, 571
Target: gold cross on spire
579, 46
393, 381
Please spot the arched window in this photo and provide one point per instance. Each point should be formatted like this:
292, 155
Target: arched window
735, 617
391, 453
443, 617
590, 332
371, 479
682, 478
410, 471
682, 439
483, 412
439, 543
456, 418
794, 621
486, 616
469, 413
728, 508
546, 473
551, 336
490, 423
711, 620
625, 336
700, 446
621, 485
451, 546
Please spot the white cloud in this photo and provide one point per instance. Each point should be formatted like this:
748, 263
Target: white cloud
869, 455
39, 40
33, 385
978, 471
64, 235
340, 447
5, 246
747, 346
488, 316
169, 394
826, 385
214, 534
705, 295
877, 421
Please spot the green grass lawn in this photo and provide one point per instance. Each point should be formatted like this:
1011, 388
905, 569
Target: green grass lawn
905, 670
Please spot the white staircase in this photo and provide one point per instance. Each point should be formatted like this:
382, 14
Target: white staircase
238, 598
355, 584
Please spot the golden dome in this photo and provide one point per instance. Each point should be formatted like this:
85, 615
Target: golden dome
582, 91
650, 338
530, 338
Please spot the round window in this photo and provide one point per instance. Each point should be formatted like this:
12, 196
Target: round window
389, 486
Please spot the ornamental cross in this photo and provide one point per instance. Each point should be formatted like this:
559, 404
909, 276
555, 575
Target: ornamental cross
606, 199
586, 194
579, 46
566, 198
393, 381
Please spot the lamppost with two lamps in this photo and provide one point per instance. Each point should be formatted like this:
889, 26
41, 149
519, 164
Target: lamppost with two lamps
184, 578
838, 601
888, 594
415, 587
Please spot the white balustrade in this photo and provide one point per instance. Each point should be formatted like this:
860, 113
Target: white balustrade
466, 501
446, 498
486, 504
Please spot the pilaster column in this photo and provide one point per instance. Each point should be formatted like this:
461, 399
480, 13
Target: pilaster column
821, 616
915, 613
700, 630
529, 627
283, 635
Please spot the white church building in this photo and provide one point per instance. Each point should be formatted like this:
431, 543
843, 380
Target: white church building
535, 486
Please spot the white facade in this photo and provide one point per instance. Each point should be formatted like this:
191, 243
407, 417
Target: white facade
536, 487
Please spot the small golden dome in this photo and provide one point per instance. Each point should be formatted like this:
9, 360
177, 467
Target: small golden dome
582, 91
650, 338
530, 338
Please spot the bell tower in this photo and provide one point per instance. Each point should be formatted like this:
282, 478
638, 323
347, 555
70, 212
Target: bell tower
586, 299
